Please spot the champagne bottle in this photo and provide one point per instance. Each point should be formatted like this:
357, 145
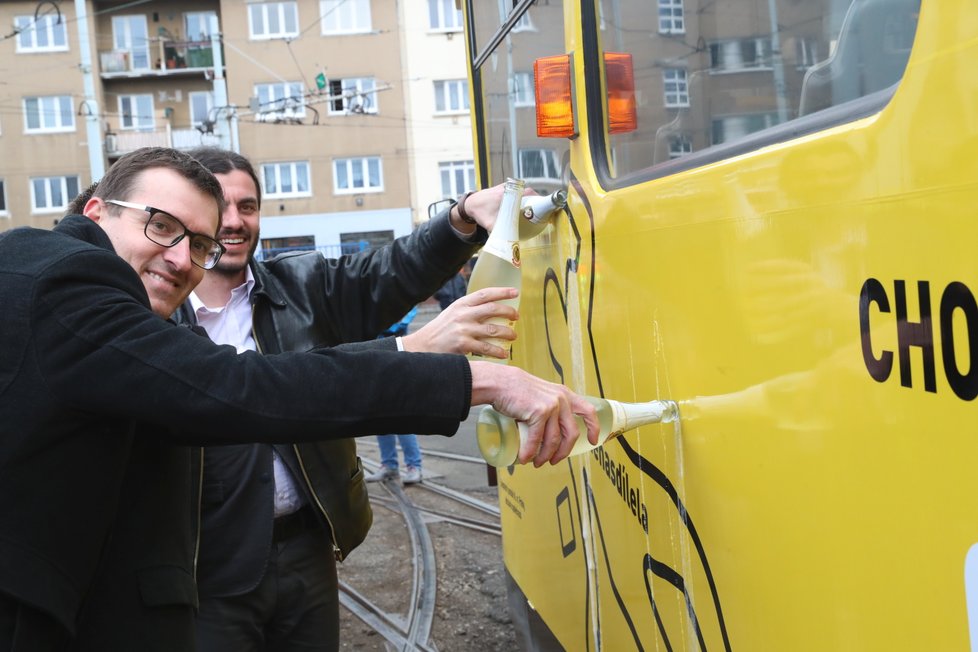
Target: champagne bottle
537, 210
498, 264
500, 436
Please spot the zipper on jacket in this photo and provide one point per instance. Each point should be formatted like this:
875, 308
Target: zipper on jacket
200, 516
302, 467
312, 492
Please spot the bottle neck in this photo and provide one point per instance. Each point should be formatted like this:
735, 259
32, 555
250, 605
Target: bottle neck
506, 231
627, 416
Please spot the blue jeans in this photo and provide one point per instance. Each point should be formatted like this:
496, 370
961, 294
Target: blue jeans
409, 447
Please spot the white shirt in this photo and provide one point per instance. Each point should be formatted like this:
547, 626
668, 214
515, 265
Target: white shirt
231, 324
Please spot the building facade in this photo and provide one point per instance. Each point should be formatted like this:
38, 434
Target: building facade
314, 92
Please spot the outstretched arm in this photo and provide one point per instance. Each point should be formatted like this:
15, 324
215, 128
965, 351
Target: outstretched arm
462, 327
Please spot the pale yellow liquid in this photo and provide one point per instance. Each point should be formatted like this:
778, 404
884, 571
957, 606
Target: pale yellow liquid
492, 271
499, 436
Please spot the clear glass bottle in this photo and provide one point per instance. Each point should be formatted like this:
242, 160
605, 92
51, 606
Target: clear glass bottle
498, 264
499, 436
537, 211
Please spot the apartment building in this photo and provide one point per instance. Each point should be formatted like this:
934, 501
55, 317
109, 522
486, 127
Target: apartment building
312, 91
440, 159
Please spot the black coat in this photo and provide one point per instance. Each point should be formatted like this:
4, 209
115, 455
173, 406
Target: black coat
84, 358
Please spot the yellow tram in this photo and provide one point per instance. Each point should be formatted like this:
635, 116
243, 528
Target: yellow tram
772, 220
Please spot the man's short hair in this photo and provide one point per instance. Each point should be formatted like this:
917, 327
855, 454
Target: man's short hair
223, 161
120, 179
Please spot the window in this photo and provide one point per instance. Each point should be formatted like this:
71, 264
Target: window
3, 199
538, 164
355, 95
743, 54
523, 93
524, 24
806, 53
49, 194
732, 127
267, 20
675, 88
199, 25
47, 34
671, 17
456, 177
136, 112
280, 101
130, 34
679, 146
51, 114
353, 175
345, 16
286, 179
443, 16
452, 96
201, 103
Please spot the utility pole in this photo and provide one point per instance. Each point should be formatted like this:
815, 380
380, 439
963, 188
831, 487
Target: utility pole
93, 131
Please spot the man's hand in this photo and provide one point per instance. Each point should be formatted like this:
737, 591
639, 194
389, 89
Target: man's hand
547, 409
483, 207
461, 327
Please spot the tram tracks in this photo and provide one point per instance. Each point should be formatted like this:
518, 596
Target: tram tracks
413, 632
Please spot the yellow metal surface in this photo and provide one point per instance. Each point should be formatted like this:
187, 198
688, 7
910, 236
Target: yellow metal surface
800, 503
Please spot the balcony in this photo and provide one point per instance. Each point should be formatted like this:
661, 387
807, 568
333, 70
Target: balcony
161, 57
123, 142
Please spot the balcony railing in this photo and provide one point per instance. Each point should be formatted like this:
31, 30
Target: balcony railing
117, 144
160, 57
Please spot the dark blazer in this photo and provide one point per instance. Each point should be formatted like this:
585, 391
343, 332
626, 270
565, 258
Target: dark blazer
302, 301
84, 358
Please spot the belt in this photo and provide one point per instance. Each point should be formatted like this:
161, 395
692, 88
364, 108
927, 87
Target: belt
289, 525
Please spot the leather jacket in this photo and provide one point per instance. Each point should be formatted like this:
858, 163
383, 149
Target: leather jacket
302, 301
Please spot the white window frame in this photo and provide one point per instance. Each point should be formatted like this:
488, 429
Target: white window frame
55, 114
298, 172
3, 199
67, 193
139, 115
281, 12
365, 96
449, 172
49, 28
206, 19
546, 156
448, 89
671, 17
350, 164
131, 34
283, 94
438, 11
680, 146
345, 17
193, 98
675, 88
524, 94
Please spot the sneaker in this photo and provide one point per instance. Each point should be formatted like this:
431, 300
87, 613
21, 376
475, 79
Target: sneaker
382, 474
412, 475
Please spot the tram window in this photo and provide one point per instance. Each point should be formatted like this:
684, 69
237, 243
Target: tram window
508, 99
741, 66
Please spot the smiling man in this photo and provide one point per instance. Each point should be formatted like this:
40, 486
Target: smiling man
274, 518
89, 367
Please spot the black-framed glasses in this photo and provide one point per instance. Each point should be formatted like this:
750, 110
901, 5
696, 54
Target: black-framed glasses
166, 230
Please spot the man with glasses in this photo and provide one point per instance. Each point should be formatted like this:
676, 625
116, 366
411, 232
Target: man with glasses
87, 369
